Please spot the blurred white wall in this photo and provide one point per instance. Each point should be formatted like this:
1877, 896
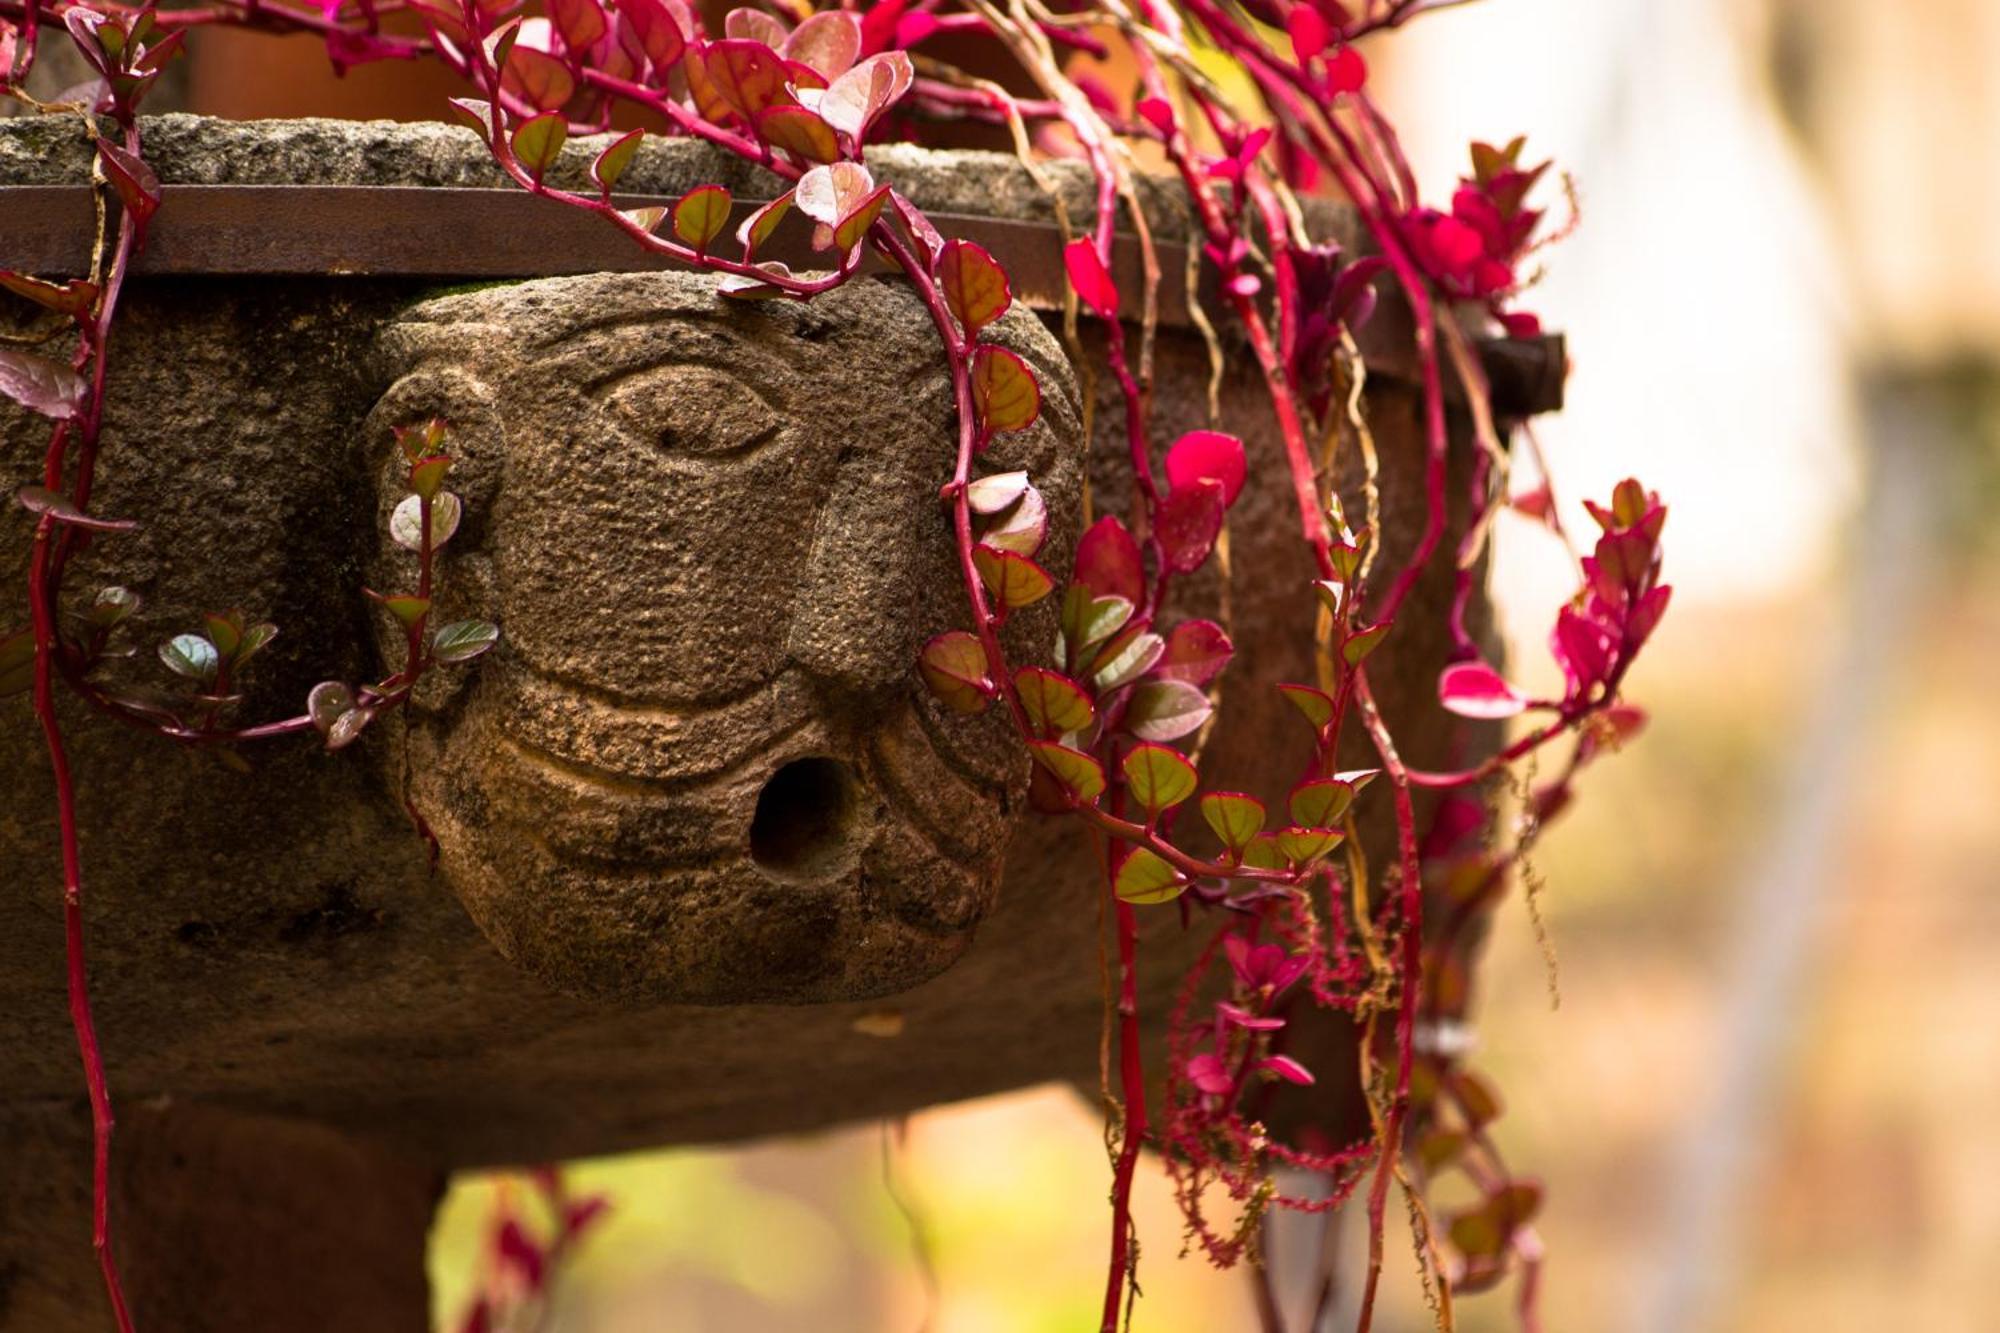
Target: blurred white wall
1705, 312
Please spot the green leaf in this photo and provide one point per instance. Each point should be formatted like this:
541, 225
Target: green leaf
701, 214
1053, 702
407, 607
406, 523
954, 666
1158, 778
327, 702
1236, 818
463, 640
1332, 596
1303, 846
1081, 776
1320, 803
974, 285
1145, 878
1012, 578
1363, 642
1264, 853
427, 475
850, 230
757, 228
645, 219
192, 656
611, 163
538, 141
1315, 704
1128, 656
1088, 621
1005, 395
1166, 710
255, 639
225, 631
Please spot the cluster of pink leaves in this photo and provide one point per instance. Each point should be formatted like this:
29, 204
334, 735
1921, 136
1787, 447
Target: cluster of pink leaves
1475, 251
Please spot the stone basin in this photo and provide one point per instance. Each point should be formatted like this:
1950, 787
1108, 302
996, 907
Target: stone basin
713, 863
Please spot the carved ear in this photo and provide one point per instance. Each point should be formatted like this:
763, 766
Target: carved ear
428, 378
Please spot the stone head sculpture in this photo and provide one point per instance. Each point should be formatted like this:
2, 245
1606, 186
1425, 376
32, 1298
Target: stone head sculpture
702, 766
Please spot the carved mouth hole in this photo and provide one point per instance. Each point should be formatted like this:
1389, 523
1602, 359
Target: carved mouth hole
806, 816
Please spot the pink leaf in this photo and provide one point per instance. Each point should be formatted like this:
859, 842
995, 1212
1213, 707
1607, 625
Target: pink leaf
1309, 32
1474, 689
1091, 280
1208, 454
1209, 1075
1107, 562
1346, 71
1287, 1069
1158, 113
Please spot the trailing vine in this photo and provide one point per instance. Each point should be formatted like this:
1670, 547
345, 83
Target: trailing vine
1112, 724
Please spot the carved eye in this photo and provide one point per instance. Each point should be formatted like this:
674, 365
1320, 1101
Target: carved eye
692, 410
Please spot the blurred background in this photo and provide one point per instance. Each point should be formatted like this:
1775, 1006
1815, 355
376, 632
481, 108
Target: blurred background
1767, 1100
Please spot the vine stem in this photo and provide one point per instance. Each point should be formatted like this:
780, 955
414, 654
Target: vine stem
44, 574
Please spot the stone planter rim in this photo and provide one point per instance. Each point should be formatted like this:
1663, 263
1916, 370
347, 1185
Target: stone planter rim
494, 230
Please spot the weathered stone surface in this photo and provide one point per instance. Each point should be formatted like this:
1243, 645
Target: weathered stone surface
710, 534
703, 768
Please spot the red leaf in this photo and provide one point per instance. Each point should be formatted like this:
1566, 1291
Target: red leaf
1309, 32
746, 76
829, 42
660, 36
1197, 651
1474, 689
1346, 71
1107, 562
1208, 454
799, 132
1189, 521
138, 188
580, 22
537, 78
39, 384
1091, 280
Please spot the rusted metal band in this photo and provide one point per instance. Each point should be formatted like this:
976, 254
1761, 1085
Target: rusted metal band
457, 233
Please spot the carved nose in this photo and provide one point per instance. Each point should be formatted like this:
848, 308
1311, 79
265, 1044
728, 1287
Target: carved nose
881, 576
808, 827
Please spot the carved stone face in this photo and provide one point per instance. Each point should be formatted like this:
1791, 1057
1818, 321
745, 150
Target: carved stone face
702, 766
